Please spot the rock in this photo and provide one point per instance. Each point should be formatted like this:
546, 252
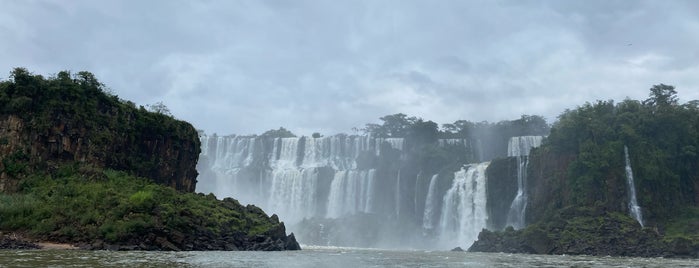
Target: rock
457, 249
166, 245
11, 243
291, 243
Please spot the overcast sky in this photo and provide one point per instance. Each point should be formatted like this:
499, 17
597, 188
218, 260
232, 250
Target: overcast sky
244, 67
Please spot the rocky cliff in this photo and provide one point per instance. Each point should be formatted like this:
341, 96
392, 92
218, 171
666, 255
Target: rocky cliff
46, 123
612, 179
81, 166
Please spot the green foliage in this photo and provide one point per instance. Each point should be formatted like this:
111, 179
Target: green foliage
278, 133
684, 224
73, 207
80, 103
16, 163
159, 108
662, 137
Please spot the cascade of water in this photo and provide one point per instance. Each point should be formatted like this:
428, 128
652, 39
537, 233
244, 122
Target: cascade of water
452, 142
398, 193
518, 208
634, 208
416, 194
430, 202
288, 153
351, 191
464, 212
520, 147
293, 193
369, 206
283, 174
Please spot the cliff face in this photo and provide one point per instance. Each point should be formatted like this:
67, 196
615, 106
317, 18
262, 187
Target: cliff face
502, 189
169, 160
47, 123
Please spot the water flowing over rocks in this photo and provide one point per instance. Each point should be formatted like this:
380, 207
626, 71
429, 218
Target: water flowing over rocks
317, 185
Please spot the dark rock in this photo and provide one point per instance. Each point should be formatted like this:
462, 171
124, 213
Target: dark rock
459, 249
165, 244
291, 243
611, 234
7, 242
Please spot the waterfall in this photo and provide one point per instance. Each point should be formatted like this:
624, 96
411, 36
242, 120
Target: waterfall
430, 202
519, 147
398, 195
464, 212
634, 208
293, 193
351, 191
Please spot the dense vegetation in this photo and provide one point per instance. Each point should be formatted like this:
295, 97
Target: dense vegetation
91, 169
83, 205
100, 126
662, 137
579, 196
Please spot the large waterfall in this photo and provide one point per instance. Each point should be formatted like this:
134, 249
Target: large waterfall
295, 178
342, 181
464, 212
519, 147
634, 208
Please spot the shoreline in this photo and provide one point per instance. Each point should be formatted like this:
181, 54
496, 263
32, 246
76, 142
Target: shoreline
19, 241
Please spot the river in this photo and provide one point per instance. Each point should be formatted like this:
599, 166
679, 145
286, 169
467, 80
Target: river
317, 257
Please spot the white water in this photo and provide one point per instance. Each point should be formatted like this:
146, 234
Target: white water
464, 212
520, 147
293, 193
351, 191
430, 203
289, 181
634, 208
398, 194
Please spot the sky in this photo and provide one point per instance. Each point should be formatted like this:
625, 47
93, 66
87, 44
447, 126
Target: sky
244, 67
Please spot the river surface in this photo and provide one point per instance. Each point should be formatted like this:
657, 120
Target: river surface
317, 257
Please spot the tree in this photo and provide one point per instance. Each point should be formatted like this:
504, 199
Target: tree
159, 108
316, 135
662, 96
395, 125
278, 133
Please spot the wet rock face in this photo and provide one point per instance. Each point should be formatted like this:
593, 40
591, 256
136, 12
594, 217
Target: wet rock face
166, 158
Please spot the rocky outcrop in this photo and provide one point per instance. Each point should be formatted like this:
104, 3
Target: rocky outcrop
8, 242
167, 154
200, 238
65, 130
576, 232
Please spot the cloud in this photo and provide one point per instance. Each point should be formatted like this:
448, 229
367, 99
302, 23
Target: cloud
248, 66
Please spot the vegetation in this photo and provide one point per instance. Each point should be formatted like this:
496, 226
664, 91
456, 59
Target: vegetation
662, 137
82, 204
118, 188
111, 132
278, 133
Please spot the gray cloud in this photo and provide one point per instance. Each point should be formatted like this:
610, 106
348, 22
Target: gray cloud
248, 66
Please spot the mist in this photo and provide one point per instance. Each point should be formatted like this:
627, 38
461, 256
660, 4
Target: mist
404, 184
